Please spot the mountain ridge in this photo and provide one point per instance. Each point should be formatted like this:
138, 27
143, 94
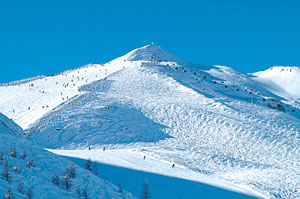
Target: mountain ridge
210, 119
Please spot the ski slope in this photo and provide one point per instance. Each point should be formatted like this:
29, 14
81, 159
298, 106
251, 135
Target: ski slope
134, 159
27, 101
199, 117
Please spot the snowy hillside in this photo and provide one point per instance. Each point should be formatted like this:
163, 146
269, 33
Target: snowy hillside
34, 171
199, 117
284, 81
27, 101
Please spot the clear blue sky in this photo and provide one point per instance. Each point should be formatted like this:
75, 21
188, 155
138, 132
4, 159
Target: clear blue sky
47, 37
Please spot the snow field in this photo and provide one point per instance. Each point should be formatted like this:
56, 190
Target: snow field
39, 177
134, 159
209, 126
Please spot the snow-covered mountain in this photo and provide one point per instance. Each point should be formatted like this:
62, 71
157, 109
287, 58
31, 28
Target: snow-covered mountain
151, 103
284, 81
32, 168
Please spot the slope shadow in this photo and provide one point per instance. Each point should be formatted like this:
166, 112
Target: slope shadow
160, 186
98, 121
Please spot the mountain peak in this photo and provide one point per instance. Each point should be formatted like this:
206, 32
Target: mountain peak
281, 80
146, 53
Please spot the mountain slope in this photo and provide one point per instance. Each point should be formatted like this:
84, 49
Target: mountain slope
208, 128
199, 117
38, 177
283, 81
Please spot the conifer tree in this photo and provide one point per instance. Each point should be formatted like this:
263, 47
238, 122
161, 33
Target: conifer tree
85, 195
29, 193
23, 155
55, 179
95, 169
6, 174
30, 163
20, 187
13, 152
78, 192
1, 157
120, 188
17, 168
145, 194
88, 165
66, 181
72, 172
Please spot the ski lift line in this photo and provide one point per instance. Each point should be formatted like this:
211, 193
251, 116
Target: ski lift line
68, 106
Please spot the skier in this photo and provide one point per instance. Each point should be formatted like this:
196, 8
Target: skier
173, 165
89, 148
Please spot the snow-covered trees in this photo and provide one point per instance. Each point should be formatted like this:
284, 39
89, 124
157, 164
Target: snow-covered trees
6, 174
78, 192
8, 194
30, 163
88, 165
85, 195
17, 168
20, 187
65, 180
23, 155
120, 188
29, 193
95, 169
72, 171
55, 179
12, 152
1, 157
82, 194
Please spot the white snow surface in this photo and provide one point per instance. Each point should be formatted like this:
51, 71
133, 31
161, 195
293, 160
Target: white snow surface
133, 159
209, 127
39, 178
281, 80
